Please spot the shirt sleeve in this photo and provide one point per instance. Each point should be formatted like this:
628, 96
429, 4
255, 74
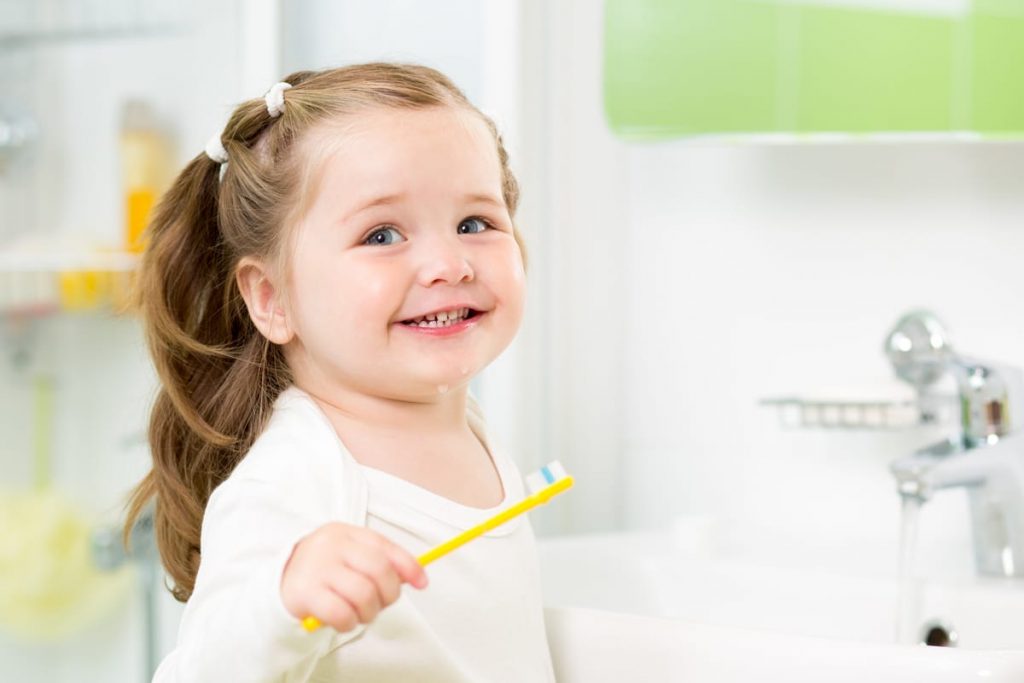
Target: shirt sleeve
235, 626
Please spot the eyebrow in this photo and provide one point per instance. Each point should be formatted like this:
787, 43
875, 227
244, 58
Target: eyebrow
473, 198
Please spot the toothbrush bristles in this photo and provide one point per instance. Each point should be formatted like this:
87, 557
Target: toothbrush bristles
545, 476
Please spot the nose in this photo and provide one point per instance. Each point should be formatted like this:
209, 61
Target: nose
445, 260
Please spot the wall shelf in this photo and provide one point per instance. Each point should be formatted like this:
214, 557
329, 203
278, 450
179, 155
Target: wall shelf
27, 23
801, 413
35, 284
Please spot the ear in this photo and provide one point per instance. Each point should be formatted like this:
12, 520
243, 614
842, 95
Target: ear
262, 298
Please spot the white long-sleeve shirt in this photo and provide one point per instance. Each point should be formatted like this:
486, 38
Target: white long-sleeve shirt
480, 619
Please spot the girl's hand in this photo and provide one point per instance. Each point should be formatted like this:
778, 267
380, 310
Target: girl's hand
344, 575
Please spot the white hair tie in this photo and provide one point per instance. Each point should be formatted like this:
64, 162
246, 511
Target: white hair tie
275, 99
215, 150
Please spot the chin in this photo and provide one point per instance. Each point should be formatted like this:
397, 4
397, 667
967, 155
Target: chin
446, 383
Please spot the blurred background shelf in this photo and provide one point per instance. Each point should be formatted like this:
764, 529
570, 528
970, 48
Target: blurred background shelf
15, 39
58, 22
802, 413
49, 283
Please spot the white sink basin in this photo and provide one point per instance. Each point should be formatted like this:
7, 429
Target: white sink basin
715, 608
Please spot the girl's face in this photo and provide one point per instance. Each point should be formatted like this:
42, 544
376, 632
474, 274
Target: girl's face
408, 220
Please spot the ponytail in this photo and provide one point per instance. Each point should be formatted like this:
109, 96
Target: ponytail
218, 375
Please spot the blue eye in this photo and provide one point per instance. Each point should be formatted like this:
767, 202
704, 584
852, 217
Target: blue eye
379, 236
484, 225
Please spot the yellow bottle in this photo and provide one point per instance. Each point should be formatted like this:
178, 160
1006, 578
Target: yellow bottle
145, 166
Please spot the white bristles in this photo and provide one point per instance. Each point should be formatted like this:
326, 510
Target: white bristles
545, 476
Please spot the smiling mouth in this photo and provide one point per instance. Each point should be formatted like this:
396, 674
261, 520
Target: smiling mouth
443, 319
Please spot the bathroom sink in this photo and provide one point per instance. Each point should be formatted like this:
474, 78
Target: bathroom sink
712, 606
596, 646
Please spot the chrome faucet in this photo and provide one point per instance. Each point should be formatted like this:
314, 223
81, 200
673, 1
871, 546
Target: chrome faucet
986, 457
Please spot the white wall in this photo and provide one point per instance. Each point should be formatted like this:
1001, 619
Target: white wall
761, 271
575, 195
445, 35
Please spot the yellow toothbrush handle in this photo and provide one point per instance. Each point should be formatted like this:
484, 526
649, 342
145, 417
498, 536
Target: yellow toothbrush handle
519, 508
544, 495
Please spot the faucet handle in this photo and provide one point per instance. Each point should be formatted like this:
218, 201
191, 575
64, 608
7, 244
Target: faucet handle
919, 349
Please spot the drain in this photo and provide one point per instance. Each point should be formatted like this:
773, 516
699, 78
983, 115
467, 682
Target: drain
937, 633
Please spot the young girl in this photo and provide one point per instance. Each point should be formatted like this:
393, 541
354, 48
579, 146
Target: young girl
318, 290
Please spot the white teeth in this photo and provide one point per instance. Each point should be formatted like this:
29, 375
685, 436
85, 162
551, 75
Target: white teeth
442, 319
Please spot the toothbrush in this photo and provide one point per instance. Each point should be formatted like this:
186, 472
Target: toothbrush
543, 485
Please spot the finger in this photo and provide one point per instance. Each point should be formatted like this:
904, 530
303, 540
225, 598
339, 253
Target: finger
358, 590
408, 568
334, 610
375, 565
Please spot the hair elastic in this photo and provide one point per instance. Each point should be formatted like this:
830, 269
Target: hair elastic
275, 107
215, 149
275, 98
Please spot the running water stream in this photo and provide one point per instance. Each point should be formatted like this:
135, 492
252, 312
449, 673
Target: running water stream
908, 598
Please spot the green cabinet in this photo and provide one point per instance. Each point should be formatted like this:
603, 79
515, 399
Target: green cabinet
693, 67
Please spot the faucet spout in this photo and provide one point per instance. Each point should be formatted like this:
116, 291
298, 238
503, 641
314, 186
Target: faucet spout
951, 464
915, 474
993, 477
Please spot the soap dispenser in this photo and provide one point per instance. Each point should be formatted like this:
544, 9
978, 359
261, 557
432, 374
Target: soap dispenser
145, 168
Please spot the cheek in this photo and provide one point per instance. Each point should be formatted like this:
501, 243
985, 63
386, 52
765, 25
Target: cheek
343, 301
512, 277
374, 294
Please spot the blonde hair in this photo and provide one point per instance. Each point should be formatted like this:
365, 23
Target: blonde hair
219, 376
